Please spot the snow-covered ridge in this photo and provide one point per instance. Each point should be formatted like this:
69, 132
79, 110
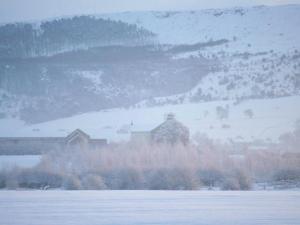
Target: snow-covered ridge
264, 28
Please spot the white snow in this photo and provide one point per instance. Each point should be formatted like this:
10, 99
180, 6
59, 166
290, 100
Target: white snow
266, 73
271, 118
264, 28
149, 207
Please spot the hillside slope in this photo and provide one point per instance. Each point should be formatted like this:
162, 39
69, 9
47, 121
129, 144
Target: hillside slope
67, 66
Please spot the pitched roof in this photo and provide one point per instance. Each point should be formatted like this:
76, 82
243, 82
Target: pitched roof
169, 123
76, 133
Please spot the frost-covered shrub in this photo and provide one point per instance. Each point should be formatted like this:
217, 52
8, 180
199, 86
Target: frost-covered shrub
30, 178
2, 180
237, 180
210, 177
124, 179
11, 184
9, 179
287, 175
244, 180
172, 179
144, 165
231, 184
92, 182
71, 183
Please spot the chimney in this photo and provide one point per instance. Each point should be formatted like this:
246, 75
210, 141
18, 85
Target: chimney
170, 116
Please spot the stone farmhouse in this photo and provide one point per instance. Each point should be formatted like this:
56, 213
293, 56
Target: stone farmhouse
170, 131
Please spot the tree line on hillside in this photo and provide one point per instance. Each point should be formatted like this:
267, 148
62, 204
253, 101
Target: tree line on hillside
27, 40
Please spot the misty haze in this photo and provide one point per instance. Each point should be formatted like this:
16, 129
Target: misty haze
121, 108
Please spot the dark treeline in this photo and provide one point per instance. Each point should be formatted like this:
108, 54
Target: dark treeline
28, 40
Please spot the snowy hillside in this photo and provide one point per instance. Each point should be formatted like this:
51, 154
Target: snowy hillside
260, 58
225, 120
253, 29
244, 76
184, 61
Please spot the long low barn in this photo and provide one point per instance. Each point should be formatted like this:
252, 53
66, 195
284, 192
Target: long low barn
39, 145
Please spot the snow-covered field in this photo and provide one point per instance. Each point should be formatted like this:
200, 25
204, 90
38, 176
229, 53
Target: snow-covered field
149, 207
271, 118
